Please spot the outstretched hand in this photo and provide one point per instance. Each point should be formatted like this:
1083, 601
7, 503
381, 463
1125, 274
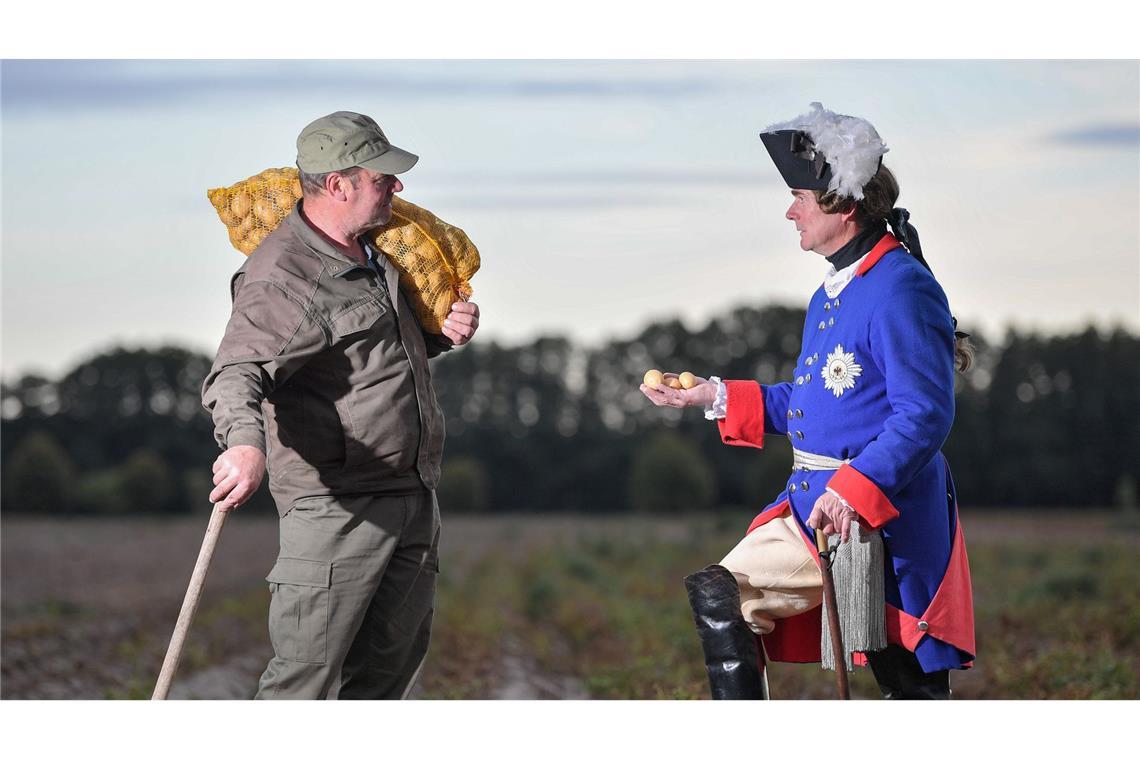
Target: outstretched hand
701, 394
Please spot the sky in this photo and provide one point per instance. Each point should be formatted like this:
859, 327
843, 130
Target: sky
602, 195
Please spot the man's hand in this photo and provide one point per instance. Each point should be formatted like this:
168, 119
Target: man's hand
832, 516
461, 324
701, 394
237, 474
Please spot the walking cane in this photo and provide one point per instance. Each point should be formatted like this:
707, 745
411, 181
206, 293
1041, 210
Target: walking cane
189, 604
826, 556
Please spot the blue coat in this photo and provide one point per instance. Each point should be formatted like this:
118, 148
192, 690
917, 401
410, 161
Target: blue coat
874, 384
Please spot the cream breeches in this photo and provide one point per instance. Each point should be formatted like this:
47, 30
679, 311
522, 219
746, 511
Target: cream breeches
776, 572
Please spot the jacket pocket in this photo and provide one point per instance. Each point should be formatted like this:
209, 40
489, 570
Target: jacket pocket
299, 609
356, 317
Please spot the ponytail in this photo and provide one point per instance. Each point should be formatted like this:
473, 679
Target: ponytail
878, 208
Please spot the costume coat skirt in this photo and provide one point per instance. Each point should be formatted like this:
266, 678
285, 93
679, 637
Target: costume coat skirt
874, 386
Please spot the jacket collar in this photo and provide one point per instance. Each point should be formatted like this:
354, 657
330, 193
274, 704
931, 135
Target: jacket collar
335, 262
886, 243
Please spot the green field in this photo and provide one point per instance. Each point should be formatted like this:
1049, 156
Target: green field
533, 607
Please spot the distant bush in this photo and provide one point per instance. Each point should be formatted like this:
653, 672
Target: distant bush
39, 476
102, 492
463, 486
671, 475
147, 482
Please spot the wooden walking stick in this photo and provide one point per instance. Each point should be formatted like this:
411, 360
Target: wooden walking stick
826, 556
189, 604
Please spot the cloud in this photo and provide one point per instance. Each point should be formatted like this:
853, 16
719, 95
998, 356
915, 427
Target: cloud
89, 84
1101, 135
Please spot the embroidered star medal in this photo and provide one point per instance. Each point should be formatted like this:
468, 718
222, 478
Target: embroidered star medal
841, 371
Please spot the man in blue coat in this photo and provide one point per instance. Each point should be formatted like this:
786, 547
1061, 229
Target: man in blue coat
867, 411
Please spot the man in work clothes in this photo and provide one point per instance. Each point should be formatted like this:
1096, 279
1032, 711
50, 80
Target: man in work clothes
868, 409
322, 378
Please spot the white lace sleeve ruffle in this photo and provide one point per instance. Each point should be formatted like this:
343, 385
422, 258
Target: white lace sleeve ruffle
841, 500
719, 408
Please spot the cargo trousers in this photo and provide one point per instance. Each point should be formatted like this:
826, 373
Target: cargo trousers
352, 596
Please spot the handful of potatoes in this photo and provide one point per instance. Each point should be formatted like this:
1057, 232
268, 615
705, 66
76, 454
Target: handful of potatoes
436, 260
654, 378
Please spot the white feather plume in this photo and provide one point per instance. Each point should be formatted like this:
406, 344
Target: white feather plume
851, 146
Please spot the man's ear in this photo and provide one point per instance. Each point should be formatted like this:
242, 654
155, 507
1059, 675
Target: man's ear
335, 183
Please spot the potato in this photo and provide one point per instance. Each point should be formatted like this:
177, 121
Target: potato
265, 213
688, 380
673, 383
653, 378
284, 198
240, 204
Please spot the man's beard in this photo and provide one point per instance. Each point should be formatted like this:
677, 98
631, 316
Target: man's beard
380, 218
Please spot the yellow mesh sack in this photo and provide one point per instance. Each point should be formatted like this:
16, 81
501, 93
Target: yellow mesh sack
436, 260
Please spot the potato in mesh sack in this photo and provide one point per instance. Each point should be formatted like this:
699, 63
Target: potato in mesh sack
435, 259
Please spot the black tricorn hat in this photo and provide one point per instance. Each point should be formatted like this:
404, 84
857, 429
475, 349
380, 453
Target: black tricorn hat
799, 163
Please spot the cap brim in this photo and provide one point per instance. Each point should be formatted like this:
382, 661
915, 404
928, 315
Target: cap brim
392, 161
798, 173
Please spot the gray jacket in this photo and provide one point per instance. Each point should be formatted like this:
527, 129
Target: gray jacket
318, 370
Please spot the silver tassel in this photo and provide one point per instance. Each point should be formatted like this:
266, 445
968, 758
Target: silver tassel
857, 570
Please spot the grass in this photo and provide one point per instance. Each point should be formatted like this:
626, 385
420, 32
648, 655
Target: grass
600, 603
1056, 621
1059, 622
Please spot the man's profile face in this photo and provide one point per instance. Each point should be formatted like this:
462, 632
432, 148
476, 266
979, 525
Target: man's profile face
371, 199
819, 232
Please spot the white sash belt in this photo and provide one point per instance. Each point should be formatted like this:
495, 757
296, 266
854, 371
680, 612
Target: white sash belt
805, 460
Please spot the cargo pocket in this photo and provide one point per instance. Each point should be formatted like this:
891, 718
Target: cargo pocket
299, 609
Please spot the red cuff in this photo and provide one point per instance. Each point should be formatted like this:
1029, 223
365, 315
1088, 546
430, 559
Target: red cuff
744, 425
863, 496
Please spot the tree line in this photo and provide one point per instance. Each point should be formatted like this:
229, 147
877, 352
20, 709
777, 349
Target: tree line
1042, 420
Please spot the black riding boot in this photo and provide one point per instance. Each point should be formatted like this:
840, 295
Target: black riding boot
901, 677
732, 654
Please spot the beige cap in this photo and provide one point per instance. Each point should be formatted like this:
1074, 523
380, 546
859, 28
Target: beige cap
345, 139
